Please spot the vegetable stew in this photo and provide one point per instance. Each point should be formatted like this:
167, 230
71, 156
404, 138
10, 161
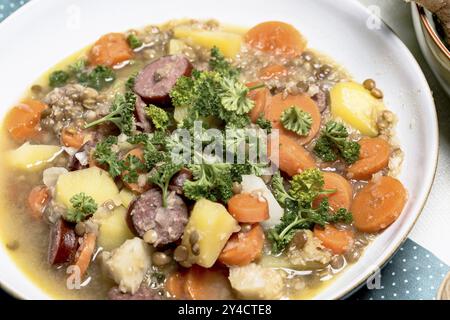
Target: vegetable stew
193, 160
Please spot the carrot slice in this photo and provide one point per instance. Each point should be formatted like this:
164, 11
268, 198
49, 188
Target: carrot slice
272, 71
342, 197
338, 241
276, 37
37, 200
373, 157
72, 137
378, 204
243, 247
135, 187
110, 49
247, 208
207, 284
279, 104
261, 97
22, 121
175, 285
292, 157
85, 252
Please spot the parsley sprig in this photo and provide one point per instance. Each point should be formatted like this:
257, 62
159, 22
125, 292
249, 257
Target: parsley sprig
83, 206
122, 113
299, 212
215, 93
334, 142
297, 120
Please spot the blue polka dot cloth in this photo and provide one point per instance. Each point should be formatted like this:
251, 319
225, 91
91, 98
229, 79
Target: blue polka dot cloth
7, 7
413, 272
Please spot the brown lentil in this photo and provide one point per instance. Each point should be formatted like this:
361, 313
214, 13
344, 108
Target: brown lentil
193, 237
246, 227
160, 259
369, 84
300, 240
196, 249
377, 93
337, 262
13, 245
150, 236
353, 255
181, 254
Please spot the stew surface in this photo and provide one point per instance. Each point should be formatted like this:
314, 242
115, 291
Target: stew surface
195, 160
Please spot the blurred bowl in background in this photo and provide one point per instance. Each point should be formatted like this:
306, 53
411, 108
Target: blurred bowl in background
433, 47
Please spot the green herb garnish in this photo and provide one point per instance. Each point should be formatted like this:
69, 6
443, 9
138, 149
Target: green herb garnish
297, 120
58, 78
161, 176
98, 78
105, 155
122, 113
217, 93
134, 42
299, 212
334, 142
158, 116
83, 206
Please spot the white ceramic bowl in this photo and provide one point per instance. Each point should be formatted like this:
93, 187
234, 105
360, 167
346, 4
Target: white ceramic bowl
432, 46
44, 32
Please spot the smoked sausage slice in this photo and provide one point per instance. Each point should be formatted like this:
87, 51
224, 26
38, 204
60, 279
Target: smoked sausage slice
63, 243
157, 79
147, 213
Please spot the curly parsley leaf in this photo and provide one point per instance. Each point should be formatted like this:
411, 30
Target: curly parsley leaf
217, 93
58, 78
131, 167
264, 124
307, 186
122, 113
161, 176
98, 78
234, 96
158, 116
334, 142
83, 206
219, 64
134, 42
299, 212
210, 181
106, 154
297, 120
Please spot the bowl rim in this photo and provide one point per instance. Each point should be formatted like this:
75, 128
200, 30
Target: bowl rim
432, 32
380, 264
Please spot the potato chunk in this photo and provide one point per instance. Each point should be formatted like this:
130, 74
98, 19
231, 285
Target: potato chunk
128, 264
176, 46
256, 282
32, 157
228, 43
214, 226
355, 105
94, 182
113, 228
126, 196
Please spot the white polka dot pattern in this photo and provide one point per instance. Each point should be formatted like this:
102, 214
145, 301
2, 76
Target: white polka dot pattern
9, 6
413, 273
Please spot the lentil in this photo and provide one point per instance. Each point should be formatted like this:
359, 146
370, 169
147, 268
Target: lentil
181, 254
369, 84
